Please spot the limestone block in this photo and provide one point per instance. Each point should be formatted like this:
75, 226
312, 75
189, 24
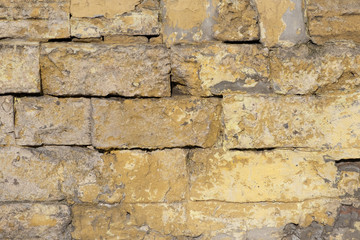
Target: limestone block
6, 120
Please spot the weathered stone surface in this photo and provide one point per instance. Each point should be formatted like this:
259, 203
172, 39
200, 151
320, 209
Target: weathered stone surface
103, 69
6, 120
216, 69
132, 17
281, 22
124, 39
309, 69
51, 120
279, 175
34, 19
19, 70
155, 123
236, 21
332, 20
129, 221
328, 122
34, 221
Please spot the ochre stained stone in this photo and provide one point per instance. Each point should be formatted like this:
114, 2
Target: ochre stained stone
103, 69
34, 221
6, 120
309, 69
326, 122
19, 69
34, 19
333, 20
110, 17
278, 175
51, 120
155, 123
216, 69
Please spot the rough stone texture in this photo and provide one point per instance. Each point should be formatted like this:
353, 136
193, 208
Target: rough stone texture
281, 22
6, 120
34, 19
110, 17
308, 69
103, 69
19, 70
279, 175
328, 122
333, 20
236, 21
34, 221
51, 120
217, 69
155, 123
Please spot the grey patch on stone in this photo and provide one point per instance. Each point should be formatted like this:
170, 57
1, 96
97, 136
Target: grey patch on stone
295, 30
271, 233
262, 86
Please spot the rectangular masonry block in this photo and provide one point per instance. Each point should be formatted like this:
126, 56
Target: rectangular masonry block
216, 69
102, 18
103, 69
6, 120
309, 69
155, 123
252, 176
326, 122
333, 20
19, 70
51, 120
35, 221
34, 19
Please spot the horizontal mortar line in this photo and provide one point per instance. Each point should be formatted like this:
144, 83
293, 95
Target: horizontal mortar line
53, 202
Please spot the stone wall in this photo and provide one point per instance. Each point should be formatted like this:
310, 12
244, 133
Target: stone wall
180, 119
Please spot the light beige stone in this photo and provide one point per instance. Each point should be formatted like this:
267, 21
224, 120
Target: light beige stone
51, 120
155, 123
124, 39
19, 70
278, 176
216, 69
327, 122
309, 69
35, 221
333, 20
103, 69
6, 120
34, 19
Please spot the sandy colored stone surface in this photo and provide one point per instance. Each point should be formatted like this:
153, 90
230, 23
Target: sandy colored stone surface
327, 122
6, 120
124, 39
236, 21
34, 221
155, 123
333, 20
308, 69
216, 69
279, 176
104, 18
34, 19
19, 70
51, 120
281, 22
103, 69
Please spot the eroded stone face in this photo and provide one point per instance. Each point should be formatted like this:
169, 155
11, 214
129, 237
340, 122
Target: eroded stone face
34, 221
19, 70
51, 120
328, 122
155, 123
34, 19
102, 18
279, 176
309, 69
6, 120
333, 20
216, 69
103, 69
281, 22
